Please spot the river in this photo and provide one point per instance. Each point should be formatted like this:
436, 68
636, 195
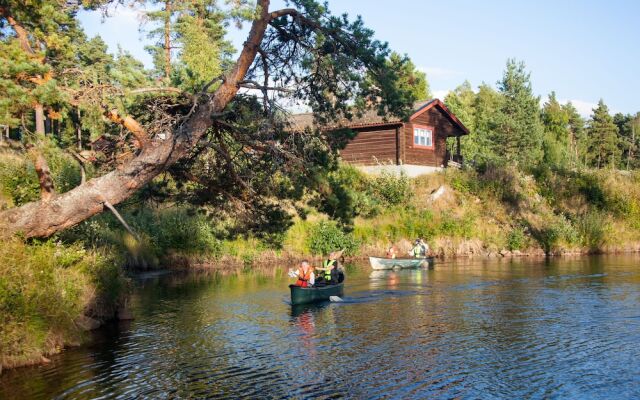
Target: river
558, 328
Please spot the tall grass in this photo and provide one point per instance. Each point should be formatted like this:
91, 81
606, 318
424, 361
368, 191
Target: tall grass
44, 289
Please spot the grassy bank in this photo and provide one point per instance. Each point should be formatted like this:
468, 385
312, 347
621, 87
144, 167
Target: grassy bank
50, 292
493, 212
49, 295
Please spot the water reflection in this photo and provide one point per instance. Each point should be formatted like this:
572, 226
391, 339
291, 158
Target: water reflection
521, 328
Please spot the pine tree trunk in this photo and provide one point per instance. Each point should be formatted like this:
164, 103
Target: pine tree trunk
39, 111
167, 40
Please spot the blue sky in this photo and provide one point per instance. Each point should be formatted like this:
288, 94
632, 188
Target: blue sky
584, 50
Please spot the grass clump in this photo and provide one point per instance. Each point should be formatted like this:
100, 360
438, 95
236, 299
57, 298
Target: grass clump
44, 289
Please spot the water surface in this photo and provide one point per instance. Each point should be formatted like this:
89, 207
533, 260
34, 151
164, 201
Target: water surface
500, 329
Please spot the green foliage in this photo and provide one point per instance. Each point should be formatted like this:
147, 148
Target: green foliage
555, 231
516, 239
44, 288
410, 79
593, 229
327, 236
163, 232
349, 193
19, 181
391, 189
603, 147
556, 142
518, 134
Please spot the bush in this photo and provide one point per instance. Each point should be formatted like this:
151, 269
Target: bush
326, 236
19, 181
555, 231
391, 189
516, 239
349, 193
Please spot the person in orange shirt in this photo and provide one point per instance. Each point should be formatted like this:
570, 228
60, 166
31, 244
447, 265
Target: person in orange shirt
305, 275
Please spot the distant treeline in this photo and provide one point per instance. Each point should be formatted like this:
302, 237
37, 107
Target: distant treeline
508, 126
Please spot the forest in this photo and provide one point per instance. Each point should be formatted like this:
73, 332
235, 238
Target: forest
106, 164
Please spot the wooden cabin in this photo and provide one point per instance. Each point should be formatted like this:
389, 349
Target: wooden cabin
416, 146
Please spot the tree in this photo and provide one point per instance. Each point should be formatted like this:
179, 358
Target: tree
409, 78
576, 132
302, 53
164, 35
481, 143
461, 102
556, 132
628, 138
518, 135
603, 138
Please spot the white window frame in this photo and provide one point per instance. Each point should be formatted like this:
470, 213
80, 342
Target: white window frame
423, 136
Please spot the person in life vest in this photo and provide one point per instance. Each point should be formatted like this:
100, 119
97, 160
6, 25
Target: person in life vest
392, 252
419, 249
331, 270
305, 275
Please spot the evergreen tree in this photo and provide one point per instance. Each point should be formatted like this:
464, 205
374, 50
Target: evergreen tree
577, 142
162, 18
203, 50
189, 48
519, 132
487, 105
460, 101
556, 132
412, 79
603, 149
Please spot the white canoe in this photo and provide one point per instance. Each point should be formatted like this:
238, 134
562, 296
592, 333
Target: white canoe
379, 263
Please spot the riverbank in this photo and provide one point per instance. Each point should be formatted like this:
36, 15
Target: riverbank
51, 295
49, 289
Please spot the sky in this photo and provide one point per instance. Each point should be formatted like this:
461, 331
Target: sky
584, 50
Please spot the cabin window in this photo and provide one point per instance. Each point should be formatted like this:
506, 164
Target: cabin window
423, 136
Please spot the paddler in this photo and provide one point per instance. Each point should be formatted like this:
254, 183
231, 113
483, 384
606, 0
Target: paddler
331, 272
419, 250
392, 252
306, 276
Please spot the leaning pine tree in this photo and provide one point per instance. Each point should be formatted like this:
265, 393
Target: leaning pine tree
302, 54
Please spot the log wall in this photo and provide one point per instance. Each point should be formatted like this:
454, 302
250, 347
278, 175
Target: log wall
371, 147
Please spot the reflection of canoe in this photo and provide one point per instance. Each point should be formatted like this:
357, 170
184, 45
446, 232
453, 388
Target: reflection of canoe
300, 295
390, 263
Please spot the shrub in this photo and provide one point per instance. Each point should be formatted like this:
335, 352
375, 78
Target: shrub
516, 239
555, 231
19, 181
391, 189
326, 236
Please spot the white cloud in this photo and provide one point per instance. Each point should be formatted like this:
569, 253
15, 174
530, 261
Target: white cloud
585, 108
438, 72
440, 94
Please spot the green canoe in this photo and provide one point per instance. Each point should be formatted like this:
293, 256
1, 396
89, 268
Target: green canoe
300, 295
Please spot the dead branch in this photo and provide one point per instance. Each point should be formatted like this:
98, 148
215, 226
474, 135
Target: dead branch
131, 125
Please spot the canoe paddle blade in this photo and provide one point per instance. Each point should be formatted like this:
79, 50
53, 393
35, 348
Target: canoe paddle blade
335, 298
